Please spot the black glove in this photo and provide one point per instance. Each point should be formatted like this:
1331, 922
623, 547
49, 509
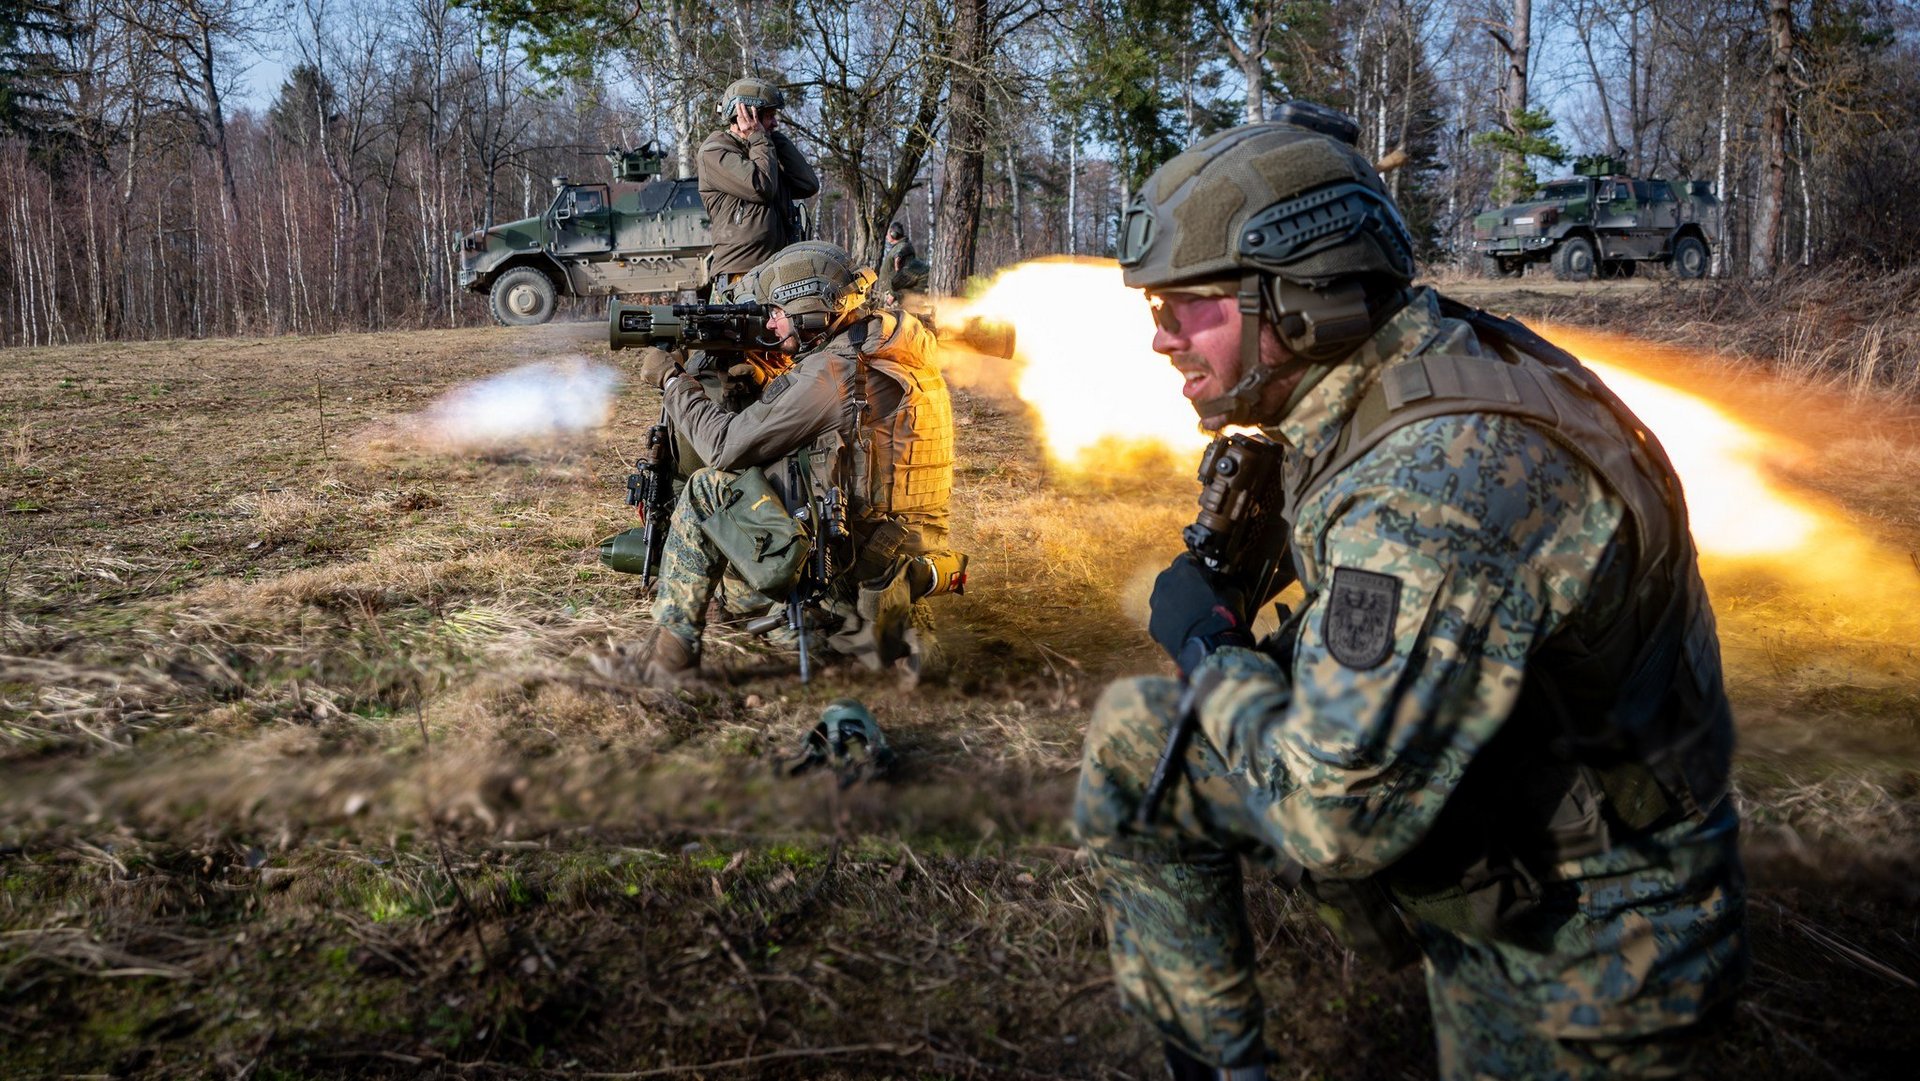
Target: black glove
1194, 613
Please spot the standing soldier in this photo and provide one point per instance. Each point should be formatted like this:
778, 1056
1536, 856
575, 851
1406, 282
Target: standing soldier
863, 411
1494, 736
750, 176
898, 272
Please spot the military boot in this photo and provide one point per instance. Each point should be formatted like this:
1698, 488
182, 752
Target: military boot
670, 662
1184, 1067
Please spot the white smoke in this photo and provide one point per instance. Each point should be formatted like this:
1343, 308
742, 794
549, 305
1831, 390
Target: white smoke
531, 403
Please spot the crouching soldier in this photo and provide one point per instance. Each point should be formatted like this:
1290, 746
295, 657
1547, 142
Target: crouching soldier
1494, 737
857, 437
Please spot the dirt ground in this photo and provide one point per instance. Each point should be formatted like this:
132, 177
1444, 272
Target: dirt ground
307, 770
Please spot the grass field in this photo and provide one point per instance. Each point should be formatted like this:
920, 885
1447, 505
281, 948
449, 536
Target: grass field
307, 770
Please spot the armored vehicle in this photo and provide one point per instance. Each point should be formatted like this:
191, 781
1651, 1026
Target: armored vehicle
641, 233
1599, 223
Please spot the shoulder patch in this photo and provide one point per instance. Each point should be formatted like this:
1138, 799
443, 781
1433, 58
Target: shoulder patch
777, 387
1358, 626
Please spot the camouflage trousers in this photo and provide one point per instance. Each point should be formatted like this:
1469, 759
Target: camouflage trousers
1630, 958
692, 568
873, 623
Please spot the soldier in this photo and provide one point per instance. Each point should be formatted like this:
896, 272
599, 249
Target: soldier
898, 270
750, 176
1494, 736
863, 410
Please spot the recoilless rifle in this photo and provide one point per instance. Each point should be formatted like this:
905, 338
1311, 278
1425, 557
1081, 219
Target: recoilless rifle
712, 328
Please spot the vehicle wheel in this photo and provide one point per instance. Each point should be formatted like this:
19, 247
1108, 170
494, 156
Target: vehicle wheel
1573, 260
1690, 257
522, 297
1492, 266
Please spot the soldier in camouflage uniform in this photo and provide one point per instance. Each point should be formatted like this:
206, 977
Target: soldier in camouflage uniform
863, 409
1494, 736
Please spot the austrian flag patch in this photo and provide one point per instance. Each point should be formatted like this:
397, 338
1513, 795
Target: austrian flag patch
1361, 607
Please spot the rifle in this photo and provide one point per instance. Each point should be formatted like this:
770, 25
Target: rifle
823, 518
1239, 534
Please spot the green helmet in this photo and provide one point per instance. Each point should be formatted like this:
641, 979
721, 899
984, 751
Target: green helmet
1292, 198
753, 93
1293, 213
815, 282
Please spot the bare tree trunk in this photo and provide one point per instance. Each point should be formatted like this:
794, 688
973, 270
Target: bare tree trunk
1584, 27
1073, 189
1764, 260
1249, 56
1013, 188
1519, 57
1721, 263
961, 174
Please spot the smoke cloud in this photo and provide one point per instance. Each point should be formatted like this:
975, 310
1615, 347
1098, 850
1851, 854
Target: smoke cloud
529, 404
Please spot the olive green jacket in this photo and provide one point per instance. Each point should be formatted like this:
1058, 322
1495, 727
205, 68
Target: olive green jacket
749, 186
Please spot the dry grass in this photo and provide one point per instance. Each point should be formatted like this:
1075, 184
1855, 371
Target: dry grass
221, 830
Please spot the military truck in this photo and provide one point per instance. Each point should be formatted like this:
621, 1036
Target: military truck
1599, 223
640, 234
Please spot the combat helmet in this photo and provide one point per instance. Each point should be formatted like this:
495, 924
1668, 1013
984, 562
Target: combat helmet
753, 93
1294, 214
816, 283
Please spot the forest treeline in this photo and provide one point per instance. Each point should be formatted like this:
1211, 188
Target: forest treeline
139, 200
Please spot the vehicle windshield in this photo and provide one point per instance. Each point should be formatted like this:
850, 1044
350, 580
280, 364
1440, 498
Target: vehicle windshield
1562, 189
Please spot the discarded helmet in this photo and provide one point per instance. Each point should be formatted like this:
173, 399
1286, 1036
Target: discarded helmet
753, 93
1291, 198
813, 278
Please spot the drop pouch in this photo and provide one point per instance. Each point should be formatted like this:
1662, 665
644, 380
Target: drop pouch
751, 527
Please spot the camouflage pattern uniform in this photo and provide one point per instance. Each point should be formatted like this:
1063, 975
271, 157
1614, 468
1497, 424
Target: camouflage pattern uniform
1498, 537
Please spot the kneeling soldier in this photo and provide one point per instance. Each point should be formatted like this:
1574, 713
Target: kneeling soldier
861, 428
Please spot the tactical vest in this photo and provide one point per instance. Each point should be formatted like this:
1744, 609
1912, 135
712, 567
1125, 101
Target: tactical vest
1620, 728
902, 462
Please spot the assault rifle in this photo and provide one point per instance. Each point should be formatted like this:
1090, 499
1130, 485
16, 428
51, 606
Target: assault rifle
650, 492
1238, 535
822, 517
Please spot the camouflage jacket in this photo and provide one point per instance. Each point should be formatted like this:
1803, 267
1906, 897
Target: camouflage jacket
1433, 566
748, 186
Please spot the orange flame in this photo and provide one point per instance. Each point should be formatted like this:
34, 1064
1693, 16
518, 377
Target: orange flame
1095, 386
1086, 365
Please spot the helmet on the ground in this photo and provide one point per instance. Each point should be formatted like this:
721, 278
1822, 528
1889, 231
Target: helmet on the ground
753, 93
814, 282
1291, 217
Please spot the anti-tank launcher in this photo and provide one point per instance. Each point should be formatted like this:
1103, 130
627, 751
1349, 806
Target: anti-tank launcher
733, 328
715, 328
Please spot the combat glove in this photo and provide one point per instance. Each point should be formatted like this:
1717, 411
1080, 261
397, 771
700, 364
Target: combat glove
658, 365
1194, 613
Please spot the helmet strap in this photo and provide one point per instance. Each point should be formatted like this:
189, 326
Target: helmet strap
1239, 403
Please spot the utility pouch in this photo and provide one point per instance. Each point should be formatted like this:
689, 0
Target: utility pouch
753, 530
1364, 918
